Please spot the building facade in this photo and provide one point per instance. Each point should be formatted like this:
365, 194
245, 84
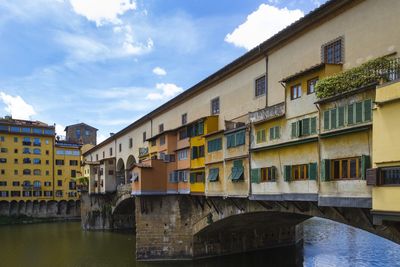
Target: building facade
81, 133
34, 165
280, 130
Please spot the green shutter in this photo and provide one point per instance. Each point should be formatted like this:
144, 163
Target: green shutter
259, 136
325, 170
326, 120
298, 127
192, 178
255, 176
273, 173
350, 114
340, 116
201, 128
359, 116
230, 140
314, 125
238, 163
305, 127
312, 171
287, 173
365, 164
194, 152
333, 118
294, 129
219, 144
277, 132
367, 110
271, 133
209, 146
263, 135
240, 138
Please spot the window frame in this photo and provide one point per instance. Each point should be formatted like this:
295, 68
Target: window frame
213, 110
349, 171
298, 89
337, 55
184, 119
312, 81
257, 92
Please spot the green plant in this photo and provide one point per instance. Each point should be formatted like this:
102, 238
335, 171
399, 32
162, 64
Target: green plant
373, 71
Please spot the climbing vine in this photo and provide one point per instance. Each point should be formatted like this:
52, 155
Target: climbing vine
373, 71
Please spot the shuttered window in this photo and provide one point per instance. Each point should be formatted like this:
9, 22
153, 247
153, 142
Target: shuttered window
341, 116
314, 125
237, 171
255, 176
236, 139
304, 127
213, 175
274, 133
268, 174
214, 145
261, 136
359, 116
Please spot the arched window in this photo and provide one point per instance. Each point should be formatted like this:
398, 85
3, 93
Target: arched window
26, 183
37, 172
36, 161
37, 184
36, 151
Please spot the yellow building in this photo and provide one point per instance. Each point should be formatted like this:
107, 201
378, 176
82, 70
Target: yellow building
385, 175
27, 162
197, 130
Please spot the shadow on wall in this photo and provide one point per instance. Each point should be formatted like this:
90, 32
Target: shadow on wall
41, 209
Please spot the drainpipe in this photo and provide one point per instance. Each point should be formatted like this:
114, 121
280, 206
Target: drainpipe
250, 135
319, 148
266, 80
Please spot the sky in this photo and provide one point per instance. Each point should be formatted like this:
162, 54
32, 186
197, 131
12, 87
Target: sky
109, 62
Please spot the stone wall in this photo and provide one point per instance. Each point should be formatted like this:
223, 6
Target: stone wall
41, 209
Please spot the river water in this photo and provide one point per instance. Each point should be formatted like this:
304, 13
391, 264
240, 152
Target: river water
64, 244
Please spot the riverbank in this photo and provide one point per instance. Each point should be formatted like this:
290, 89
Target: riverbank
23, 219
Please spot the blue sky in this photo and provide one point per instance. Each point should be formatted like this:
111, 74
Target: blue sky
109, 62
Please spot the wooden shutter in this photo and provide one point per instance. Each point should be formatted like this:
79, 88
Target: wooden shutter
259, 136
294, 129
367, 110
305, 127
271, 133
325, 169
312, 171
365, 164
263, 135
340, 116
350, 114
373, 176
326, 120
255, 176
333, 118
287, 173
277, 132
314, 125
359, 114
273, 173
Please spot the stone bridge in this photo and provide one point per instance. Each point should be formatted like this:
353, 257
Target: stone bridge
191, 227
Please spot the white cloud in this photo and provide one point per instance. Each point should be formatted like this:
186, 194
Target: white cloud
17, 107
168, 90
159, 71
101, 137
60, 130
103, 11
261, 24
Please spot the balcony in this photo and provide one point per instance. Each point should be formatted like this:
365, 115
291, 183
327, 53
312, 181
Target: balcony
267, 113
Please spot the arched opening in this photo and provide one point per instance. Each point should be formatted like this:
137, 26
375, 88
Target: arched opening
247, 232
120, 172
130, 163
123, 214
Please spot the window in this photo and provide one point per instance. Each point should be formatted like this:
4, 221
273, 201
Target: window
304, 127
36, 142
59, 172
183, 134
197, 152
355, 113
47, 173
235, 139
130, 142
3, 183
16, 151
15, 139
3, 171
73, 163
27, 193
87, 132
295, 91
183, 176
73, 173
26, 130
15, 172
161, 128
183, 154
196, 129
37, 131
237, 171
332, 52
2, 138
72, 185
26, 172
162, 140
59, 193
15, 193
300, 172
47, 162
214, 145
197, 177
59, 182
47, 141
104, 154
390, 176
346, 168
47, 152
59, 162
97, 157
37, 172
78, 133
215, 106
37, 161
261, 136
48, 193
3, 150
144, 137
36, 151
184, 119
3, 193
260, 86
213, 174
274, 133
119, 147
26, 150
47, 183
153, 142
3, 160
60, 152
110, 172
111, 151
16, 183
15, 161
311, 85
201, 151
15, 129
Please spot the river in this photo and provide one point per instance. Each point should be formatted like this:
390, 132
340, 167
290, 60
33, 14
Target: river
64, 244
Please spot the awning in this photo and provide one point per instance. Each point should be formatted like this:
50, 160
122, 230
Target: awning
213, 175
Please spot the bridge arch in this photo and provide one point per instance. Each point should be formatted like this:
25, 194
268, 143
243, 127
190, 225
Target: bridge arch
120, 168
123, 210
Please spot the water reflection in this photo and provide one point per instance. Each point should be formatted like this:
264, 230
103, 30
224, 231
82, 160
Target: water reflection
64, 244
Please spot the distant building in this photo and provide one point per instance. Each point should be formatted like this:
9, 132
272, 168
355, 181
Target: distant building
33, 165
81, 133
